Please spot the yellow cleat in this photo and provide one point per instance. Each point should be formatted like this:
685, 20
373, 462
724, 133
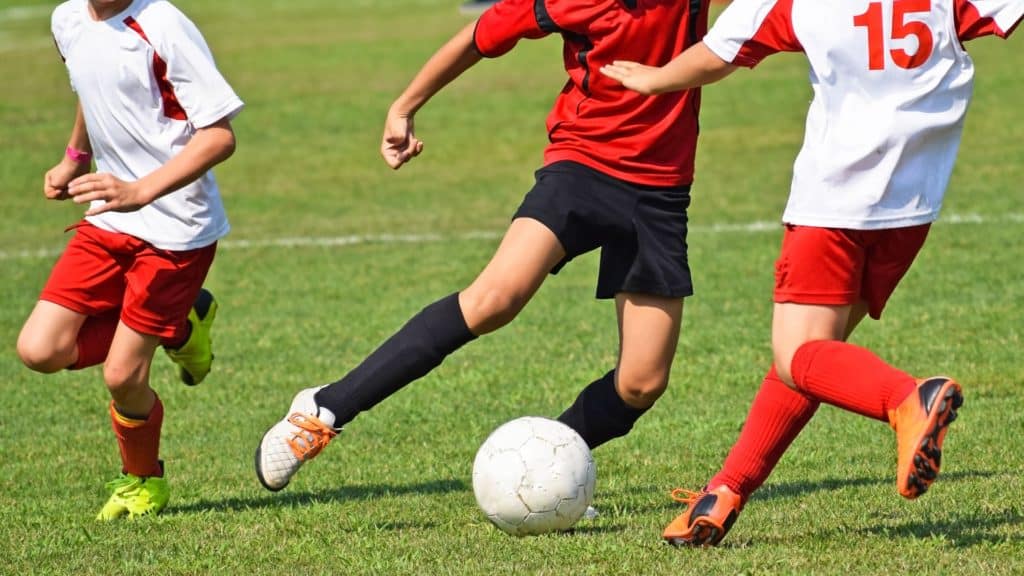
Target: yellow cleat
195, 357
134, 496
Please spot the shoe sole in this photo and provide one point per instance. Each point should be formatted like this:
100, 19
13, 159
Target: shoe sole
928, 458
705, 533
259, 470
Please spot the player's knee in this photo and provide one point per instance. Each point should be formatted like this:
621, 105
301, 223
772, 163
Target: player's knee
41, 356
641, 388
784, 367
122, 378
489, 309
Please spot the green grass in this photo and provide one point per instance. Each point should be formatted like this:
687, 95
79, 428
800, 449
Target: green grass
392, 495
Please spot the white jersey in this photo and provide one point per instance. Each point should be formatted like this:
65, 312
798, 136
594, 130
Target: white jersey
146, 81
891, 84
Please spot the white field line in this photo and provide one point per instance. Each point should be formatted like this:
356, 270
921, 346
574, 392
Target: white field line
18, 42
359, 239
13, 13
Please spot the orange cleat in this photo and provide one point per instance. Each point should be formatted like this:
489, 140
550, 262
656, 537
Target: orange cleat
707, 519
920, 423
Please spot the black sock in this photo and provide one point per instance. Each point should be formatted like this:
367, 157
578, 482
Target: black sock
416, 349
599, 414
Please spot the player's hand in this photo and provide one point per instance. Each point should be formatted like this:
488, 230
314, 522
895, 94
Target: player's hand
118, 195
633, 75
55, 182
399, 144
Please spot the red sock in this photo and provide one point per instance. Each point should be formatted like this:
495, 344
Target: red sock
139, 440
94, 338
777, 415
850, 377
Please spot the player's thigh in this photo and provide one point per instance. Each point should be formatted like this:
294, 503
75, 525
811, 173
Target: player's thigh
50, 330
890, 254
162, 285
648, 335
648, 252
88, 278
820, 266
525, 256
858, 312
794, 324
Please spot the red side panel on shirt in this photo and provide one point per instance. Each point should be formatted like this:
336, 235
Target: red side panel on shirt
647, 140
970, 24
775, 35
172, 108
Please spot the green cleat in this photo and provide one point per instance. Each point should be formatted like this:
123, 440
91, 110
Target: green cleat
134, 496
195, 356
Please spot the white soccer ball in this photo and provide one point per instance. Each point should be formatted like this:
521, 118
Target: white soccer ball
534, 475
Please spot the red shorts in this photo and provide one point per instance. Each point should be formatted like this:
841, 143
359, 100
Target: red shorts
154, 289
837, 267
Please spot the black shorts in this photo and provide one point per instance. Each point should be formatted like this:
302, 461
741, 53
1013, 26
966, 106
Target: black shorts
641, 230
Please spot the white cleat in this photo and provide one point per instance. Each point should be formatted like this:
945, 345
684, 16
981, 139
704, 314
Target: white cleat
299, 437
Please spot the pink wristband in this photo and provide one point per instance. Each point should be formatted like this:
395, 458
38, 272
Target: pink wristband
77, 155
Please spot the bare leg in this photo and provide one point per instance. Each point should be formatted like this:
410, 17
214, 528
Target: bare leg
526, 255
648, 335
48, 340
608, 407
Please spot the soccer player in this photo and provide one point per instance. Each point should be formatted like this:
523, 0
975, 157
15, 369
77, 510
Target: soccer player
891, 82
154, 113
616, 176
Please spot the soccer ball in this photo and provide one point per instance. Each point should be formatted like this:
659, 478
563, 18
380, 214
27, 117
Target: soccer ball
533, 475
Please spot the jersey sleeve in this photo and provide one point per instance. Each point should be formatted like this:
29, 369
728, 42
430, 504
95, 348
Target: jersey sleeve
750, 30
503, 25
61, 23
199, 86
977, 18
57, 29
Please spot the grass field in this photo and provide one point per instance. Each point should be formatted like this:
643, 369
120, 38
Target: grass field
331, 251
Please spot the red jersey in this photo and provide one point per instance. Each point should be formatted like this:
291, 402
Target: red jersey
649, 140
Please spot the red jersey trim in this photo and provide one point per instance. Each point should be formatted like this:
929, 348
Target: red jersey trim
172, 108
776, 34
970, 24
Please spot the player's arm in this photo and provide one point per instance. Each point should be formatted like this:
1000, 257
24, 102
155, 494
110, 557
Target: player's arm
208, 147
696, 66
76, 161
399, 144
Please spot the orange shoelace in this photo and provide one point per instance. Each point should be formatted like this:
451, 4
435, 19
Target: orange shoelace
311, 438
685, 496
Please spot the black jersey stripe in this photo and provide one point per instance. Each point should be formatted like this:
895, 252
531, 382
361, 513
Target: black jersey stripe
544, 20
694, 15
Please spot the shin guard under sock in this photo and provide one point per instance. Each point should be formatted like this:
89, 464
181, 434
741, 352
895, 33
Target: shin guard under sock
776, 417
599, 414
416, 349
850, 377
139, 440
